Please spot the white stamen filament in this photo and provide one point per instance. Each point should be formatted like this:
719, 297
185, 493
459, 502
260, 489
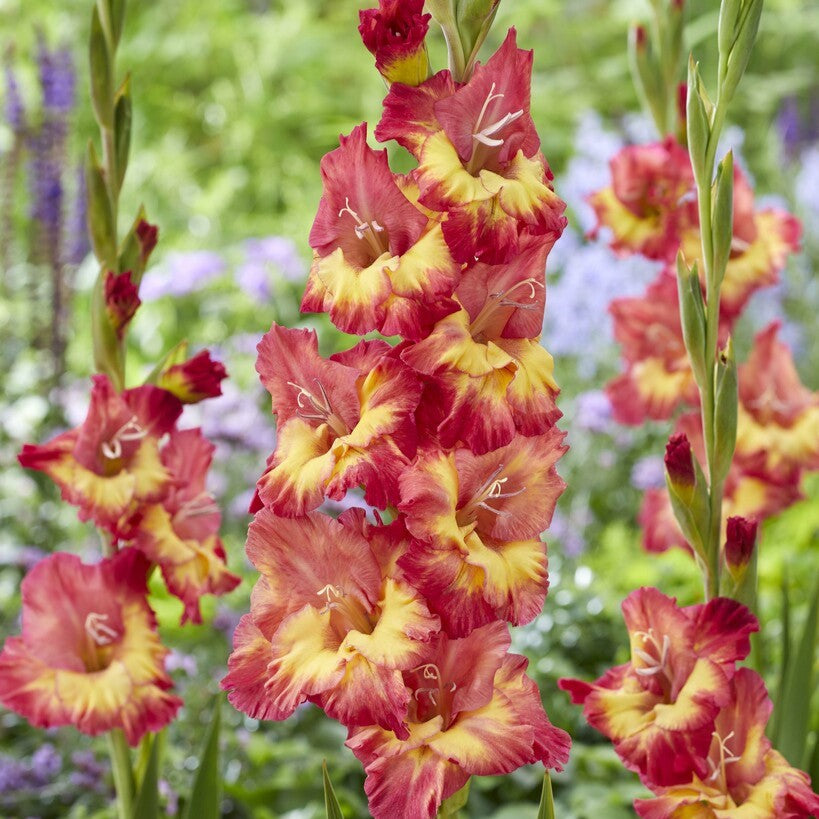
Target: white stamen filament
98, 631
726, 756
486, 135
328, 592
652, 665
321, 409
362, 229
129, 431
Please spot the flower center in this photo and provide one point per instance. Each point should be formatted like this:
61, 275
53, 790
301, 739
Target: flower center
656, 657
491, 489
318, 408
431, 694
494, 315
112, 449
726, 757
100, 637
346, 611
371, 232
487, 135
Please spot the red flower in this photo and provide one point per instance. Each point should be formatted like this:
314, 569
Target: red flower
193, 380
121, 300
89, 654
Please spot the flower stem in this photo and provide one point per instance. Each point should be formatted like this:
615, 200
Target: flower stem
123, 772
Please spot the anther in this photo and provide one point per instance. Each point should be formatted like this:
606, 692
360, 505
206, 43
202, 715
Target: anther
129, 431
97, 629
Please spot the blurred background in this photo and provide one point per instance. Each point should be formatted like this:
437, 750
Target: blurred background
235, 102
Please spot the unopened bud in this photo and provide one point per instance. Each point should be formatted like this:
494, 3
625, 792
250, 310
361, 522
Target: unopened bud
726, 412
722, 220
697, 124
740, 541
687, 491
692, 314
193, 380
121, 300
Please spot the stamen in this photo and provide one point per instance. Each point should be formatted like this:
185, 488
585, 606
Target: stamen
486, 135
321, 410
98, 631
202, 504
430, 692
129, 431
430, 671
653, 665
364, 230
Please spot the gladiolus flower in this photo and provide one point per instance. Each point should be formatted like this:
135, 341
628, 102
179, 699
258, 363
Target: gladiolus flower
89, 654
473, 711
659, 709
193, 380
341, 422
740, 541
651, 198
111, 463
745, 776
380, 263
778, 416
181, 534
479, 156
394, 34
477, 521
326, 624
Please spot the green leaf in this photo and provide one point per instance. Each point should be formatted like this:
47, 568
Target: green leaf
458, 800
116, 11
725, 413
146, 805
205, 795
546, 809
331, 806
775, 725
795, 704
722, 219
697, 124
692, 313
101, 72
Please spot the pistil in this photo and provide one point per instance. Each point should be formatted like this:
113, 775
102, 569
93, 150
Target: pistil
486, 136
313, 408
129, 431
371, 232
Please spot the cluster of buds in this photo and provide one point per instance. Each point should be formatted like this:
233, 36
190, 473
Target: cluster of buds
89, 654
397, 626
691, 723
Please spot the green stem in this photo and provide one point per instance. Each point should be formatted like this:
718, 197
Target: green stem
123, 772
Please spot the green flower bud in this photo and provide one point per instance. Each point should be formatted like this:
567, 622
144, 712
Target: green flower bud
647, 75
741, 50
725, 416
116, 14
687, 491
101, 72
728, 18
692, 314
722, 217
122, 129
697, 123
100, 214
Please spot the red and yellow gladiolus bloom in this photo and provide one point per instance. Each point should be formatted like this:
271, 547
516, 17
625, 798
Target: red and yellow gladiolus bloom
341, 421
380, 263
476, 520
89, 654
491, 379
658, 377
746, 778
325, 625
778, 415
394, 34
479, 157
761, 243
181, 534
651, 200
110, 464
472, 711
659, 709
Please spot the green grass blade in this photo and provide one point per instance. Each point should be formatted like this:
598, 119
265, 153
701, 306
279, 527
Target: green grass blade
205, 794
331, 806
146, 805
546, 809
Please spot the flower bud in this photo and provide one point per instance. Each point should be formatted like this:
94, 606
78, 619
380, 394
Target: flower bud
100, 214
728, 16
101, 72
692, 314
394, 34
193, 380
697, 122
138, 246
687, 491
121, 300
647, 75
740, 542
722, 219
741, 49
122, 129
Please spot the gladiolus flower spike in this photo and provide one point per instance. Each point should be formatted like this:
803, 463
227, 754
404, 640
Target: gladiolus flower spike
399, 629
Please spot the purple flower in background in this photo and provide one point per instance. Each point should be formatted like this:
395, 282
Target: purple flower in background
593, 411
46, 763
265, 260
648, 473
181, 273
14, 109
88, 771
79, 245
177, 661
790, 126
57, 77
13, 775
170, 796
565, 530
226, 620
